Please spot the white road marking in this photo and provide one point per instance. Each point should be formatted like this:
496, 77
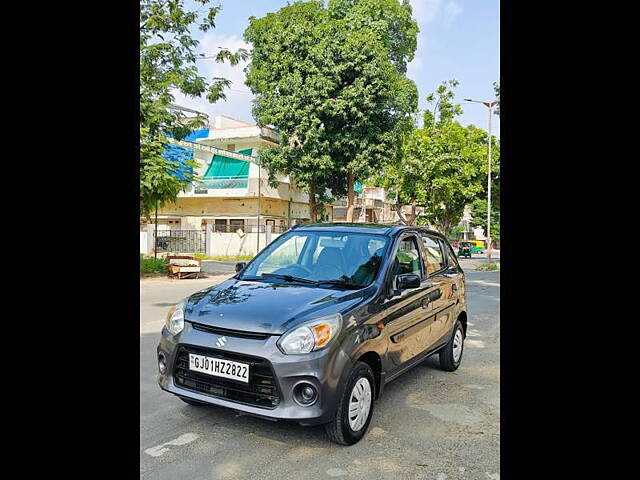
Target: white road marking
181, 440
493, 476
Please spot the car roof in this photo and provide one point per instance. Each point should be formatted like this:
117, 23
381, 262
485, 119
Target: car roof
374, 228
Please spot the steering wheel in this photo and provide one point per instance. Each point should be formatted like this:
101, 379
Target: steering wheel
327, 272
295, 270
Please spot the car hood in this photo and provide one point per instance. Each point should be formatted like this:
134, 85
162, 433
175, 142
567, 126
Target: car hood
262, 307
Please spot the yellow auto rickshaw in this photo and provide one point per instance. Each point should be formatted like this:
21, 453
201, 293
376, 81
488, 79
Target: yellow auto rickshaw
477, 246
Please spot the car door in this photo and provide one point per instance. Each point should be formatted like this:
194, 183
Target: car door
443, 302
407, 313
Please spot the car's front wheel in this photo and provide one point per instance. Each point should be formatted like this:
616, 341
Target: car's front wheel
451, 354
355, 407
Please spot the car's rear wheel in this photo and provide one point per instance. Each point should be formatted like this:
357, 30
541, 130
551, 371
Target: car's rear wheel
355, 407
193, 402
451, 354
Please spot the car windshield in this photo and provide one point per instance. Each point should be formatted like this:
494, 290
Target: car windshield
343, 259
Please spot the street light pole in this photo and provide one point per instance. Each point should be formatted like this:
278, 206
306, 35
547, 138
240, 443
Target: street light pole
259, 187
489, 105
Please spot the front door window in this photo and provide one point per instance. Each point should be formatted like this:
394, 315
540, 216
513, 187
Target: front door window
408, 257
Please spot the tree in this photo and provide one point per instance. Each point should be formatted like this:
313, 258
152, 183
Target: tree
443, 164
332, 80
479, 215
168, 64
379, 101
496, 88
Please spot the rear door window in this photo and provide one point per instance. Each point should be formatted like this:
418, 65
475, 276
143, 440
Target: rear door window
434, 253
452, 261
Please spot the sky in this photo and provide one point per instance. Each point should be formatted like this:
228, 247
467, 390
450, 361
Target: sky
458, 39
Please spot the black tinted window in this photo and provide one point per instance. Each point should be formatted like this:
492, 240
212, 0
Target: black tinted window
408, 257
452, 261
435, 255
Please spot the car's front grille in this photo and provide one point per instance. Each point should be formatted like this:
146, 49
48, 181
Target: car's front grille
227, 331
261, 391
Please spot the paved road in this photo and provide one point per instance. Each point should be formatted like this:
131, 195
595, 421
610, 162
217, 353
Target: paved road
429, 424
218, 268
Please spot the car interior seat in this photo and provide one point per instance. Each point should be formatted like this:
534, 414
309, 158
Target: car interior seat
330, 264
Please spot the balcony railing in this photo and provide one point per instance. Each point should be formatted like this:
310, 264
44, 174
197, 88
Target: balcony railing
221, 182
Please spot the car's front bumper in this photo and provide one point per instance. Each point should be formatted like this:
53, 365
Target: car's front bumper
324, 369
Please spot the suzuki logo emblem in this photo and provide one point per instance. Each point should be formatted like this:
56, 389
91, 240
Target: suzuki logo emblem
221, 341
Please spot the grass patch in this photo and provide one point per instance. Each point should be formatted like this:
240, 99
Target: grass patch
224, 258
488, 267
152, 265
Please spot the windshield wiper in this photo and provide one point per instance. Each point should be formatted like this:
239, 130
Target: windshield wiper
340, 283
289, 278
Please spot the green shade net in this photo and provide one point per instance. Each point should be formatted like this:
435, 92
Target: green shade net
225, 172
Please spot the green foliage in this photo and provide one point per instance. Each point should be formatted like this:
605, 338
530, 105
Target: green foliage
456, 233
443, 164
157, 183
152, 265
332, 80
479, 212
444, 110
168, 64
496, 88
488, 267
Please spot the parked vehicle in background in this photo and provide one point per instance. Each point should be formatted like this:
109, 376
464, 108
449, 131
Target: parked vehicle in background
477, 246
465, 249
317, 323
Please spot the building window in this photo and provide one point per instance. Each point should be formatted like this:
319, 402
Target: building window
235, 224
220, 225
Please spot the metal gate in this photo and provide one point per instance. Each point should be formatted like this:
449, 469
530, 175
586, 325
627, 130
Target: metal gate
181, 241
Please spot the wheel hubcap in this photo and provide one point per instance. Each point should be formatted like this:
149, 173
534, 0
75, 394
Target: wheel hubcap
457, 345
359, 404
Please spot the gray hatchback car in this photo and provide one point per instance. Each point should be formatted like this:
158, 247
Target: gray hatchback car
317, 323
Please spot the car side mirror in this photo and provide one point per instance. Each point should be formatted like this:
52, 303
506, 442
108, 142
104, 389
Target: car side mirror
240, 266
408, 280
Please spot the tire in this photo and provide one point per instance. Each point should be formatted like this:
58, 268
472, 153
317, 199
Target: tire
340, 430
195, 403
448, 362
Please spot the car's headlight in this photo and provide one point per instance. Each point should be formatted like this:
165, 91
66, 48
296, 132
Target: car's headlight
310, 336
175, 318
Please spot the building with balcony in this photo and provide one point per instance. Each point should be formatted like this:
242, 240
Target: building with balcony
371, 206
233, 191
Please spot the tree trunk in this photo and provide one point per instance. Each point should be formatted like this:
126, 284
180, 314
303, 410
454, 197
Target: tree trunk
313, 209
413, 211
403, 219
350, 197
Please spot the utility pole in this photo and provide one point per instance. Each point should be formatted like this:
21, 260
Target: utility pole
155, 234
259, 190
490, 106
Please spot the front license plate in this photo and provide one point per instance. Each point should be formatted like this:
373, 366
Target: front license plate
219, 367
